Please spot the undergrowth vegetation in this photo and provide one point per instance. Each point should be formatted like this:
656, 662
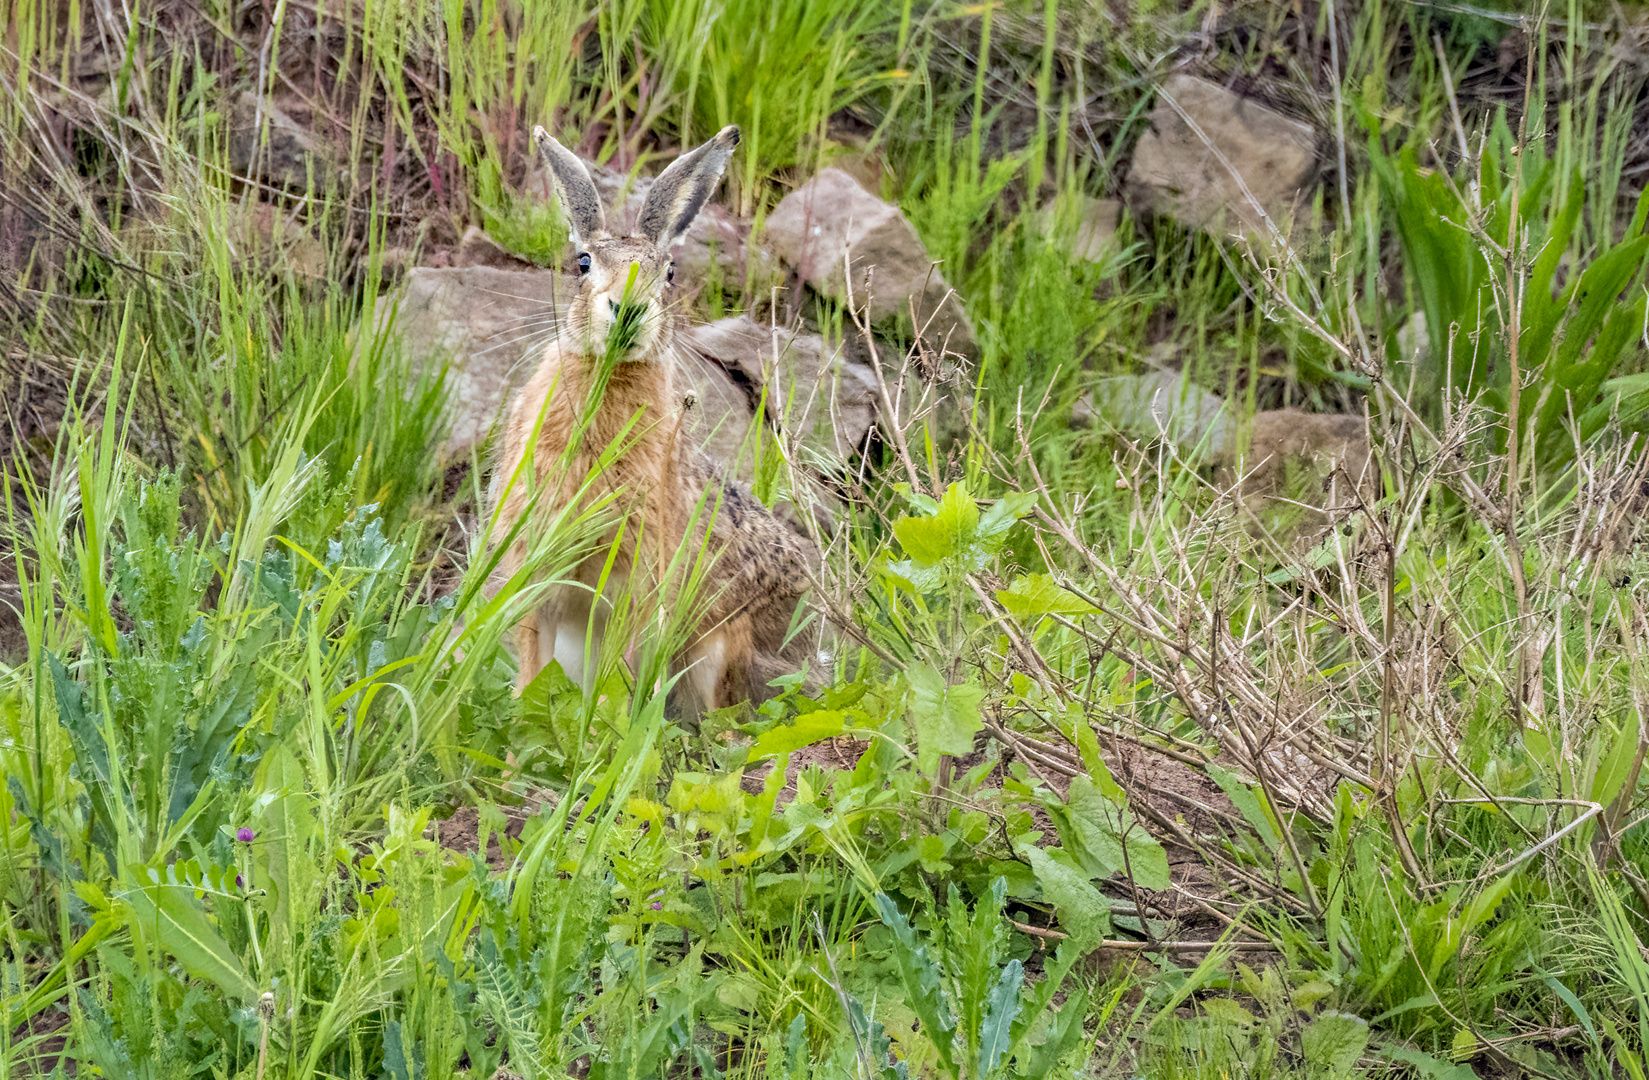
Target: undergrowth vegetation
1116, 772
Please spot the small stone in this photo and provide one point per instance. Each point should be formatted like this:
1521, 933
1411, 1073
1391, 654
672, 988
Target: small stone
1177, 172
1094, 239
292, 156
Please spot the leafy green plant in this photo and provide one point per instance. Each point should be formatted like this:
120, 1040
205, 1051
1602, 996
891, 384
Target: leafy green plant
973, 1007
1489, 257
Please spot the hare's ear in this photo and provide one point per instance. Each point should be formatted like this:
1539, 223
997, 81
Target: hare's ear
574, 189
678, 193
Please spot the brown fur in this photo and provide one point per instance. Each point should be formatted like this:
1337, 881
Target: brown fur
667, 493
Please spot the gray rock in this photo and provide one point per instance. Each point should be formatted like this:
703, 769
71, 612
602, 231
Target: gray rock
831, 223
1163, 405
485, 323
289, 157
1292, 472
812, 391
1296, 472
1176, 170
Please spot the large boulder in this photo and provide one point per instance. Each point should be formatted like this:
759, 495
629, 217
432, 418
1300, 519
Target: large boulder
485, 323
834, 233
812, 391
1185, 169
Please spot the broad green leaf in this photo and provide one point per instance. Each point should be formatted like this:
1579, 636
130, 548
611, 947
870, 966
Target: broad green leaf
1568, 997
1083, 913
396, 1058
944, 717
1104, 831
946, 534
1485, 903
808, 729
1087, 745
1612, 770
1335, 1041
795, 1048
1002, 516
1250, 800
85, 729
169, 914
1432, 1068
955, 534
1035, 595
1061, 1038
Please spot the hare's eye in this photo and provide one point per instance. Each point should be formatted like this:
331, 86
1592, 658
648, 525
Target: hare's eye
670, 274
583, 262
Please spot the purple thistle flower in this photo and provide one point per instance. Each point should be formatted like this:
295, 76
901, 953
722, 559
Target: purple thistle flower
239, 884
244, 835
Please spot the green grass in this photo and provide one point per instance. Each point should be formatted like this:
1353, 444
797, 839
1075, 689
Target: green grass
1398, 760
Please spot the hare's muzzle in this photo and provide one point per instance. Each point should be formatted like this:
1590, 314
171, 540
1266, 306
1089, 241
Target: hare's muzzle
629, 319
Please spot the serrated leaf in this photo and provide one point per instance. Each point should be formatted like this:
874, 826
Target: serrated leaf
947, 533
955, 533
1250, 801
1103, 831
1335, 1041
1001, 1009
1087, 745
1035, 595
944, 717
85, 729
1002, 516
921, 978
169, 914
1061, 1038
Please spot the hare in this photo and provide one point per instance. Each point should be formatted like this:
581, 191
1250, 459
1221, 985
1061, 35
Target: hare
667, 493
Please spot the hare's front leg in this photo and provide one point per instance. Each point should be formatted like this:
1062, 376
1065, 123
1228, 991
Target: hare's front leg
562, 632
717, 669
571, 636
